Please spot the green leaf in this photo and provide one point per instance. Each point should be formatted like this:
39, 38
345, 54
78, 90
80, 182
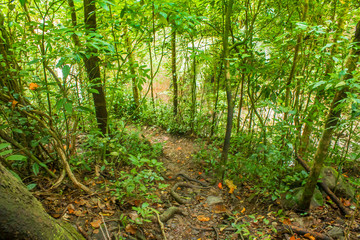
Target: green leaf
22, 2
15, 175
33, 61
104, 6
340, 84
6, 152
327, 46
31, 186
65, 71
16, 158
17, 130
4, 145
35, 168
92, 90
68, 107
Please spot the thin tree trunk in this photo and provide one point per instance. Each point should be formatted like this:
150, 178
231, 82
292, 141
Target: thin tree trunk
230, 112
331, 122
173, 71
92, 65
134, 83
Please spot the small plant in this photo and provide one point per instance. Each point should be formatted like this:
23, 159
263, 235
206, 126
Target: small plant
145, 212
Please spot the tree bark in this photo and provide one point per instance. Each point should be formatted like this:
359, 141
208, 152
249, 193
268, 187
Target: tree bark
92, 63
331, 122
173, 70
22, 215
230, 108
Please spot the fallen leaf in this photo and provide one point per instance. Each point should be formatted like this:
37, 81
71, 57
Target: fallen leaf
230, 185
200, 173
96, 223
220, 185
130, 229
292, 237
346, 202
243, 210
79, 213
287, 221
202, 218
71, 209
96, 231
309, 236
179, 148
219, 208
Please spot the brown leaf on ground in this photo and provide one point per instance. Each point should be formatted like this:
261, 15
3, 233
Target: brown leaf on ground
309, 236
130, 229
287, 221
96, 223
202, 218
220, 208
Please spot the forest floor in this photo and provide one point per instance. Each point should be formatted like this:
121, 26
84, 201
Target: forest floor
205, 209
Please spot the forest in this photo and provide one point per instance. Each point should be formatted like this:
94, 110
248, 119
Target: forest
162, 119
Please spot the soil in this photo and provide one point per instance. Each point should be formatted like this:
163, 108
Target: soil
223, 210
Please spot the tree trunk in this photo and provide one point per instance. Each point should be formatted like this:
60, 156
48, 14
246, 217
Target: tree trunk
22, 215
331, 122
132, 71
225, 152
93, 69
173, 70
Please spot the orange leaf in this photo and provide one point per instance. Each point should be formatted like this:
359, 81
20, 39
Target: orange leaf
243, 210
287, 221
200, 173
33, 86
202, 218
346, 202
96, 223
179, 148
220, 185
309, 236
13, 103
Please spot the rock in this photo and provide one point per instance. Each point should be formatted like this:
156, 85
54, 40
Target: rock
336, 183
336, 233
212, 200
293, 202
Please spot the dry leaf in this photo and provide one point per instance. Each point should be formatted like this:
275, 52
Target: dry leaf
96, 231
179, 148
71, 209
202, 218
79, 213
309, 236
130, 229
230, 185
96, 223
287, 221
220, 185
243, 210
219, 208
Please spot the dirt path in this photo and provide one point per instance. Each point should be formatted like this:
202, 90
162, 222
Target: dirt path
209, 208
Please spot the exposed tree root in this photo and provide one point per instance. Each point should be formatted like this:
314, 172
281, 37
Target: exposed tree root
185, 177
179, 198
169, 213
302, 231
59, 180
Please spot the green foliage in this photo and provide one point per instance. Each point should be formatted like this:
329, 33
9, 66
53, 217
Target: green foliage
140, 180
